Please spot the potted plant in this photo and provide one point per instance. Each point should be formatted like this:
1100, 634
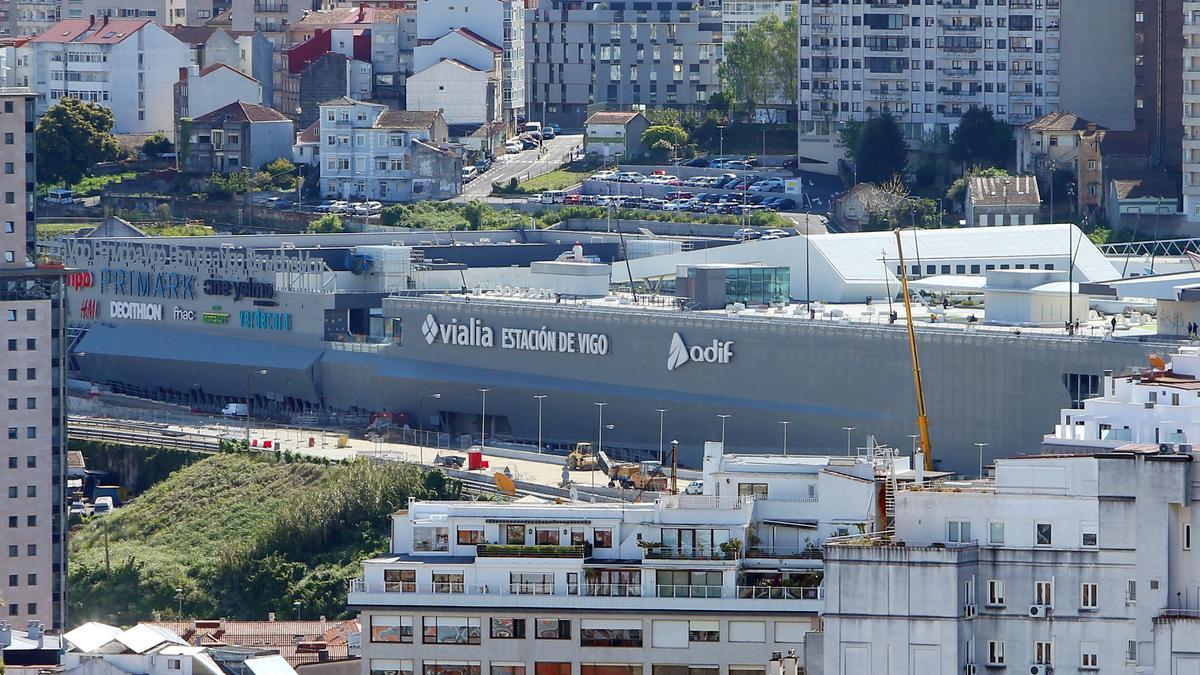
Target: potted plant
732, 548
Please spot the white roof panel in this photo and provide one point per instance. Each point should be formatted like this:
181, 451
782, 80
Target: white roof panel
91, 636
269, 665
144, 637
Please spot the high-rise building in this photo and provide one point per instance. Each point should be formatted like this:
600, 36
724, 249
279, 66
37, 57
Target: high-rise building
1191, 110
32, 458
590, 55
928, 62
1158, 72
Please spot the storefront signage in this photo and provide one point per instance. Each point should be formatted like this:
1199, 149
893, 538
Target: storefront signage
87, 309
239, 289
78, 280
143, 311
473, 333
148, 284
181, 314
214, 318
266, 320
720, 351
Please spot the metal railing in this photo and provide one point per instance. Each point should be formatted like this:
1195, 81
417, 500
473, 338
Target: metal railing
673, 553
599, 590
801, 552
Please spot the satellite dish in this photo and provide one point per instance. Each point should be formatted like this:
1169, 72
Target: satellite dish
1157, 362
504, 484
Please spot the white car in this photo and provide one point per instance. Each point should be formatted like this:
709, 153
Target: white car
513, 147
628, 177
778, 232
677, 205
695, 487
339, 206
368, 209
603, 175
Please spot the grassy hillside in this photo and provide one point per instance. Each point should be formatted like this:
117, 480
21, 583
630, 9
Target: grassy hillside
242, 536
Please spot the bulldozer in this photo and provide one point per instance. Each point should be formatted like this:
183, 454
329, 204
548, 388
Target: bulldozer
582, 458
645, 476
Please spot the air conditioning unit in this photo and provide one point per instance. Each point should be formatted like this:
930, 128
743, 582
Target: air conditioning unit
969, 611
1039, 669
970, 669
1038, 611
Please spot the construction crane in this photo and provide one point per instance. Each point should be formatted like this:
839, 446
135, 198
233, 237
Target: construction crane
922, 418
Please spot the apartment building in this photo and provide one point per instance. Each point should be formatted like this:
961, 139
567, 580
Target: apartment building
1158, 83
928, 62
497, 24
370, 152
585, 56
1191, 110
33, 17
162, 12
1078, 560
32, 481
712, 584
742, 14
129, 66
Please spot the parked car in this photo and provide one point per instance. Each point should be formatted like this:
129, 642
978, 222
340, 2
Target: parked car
484, 164
339, 206
368, 208
628, 177
514, 146
469, 173
695, 487
557, 129
528, 141
281, 203
785, 204
102, 506
235, 410
60, 196
698, 162
777, 232
548, 132
747, 233
323, 207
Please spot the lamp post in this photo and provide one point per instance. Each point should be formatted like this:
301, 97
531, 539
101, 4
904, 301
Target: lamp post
599, 440
721, 131
296, 604
784, 423
723, 416
248, 408
421, 427
179, 597
483, 419
661, 412
914, 438
981, 446
848, 430
540, 397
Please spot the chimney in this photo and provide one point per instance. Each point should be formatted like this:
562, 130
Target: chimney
362, 11
271, 616
91, 20
105, 20
5, 635
35, 631
183, 73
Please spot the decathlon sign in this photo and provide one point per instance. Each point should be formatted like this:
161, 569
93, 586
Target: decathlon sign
473, 333
720, 351
143, 311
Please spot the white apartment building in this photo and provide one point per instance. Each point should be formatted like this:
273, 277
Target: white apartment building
1077, 560
129, 66
500, 23
370, 152
705, 584
927, 63
152, 650
739, 14
1191, 109
32, 455
463, 93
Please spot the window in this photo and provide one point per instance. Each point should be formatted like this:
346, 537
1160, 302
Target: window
602, 538
30, 344
688, 584
1088, 596
174, 664
1089, 658
1130, 591
1043, 593
520, 583
447, 582
470, 536
14, 609
1041, 653
431, 539
595, 633
551, 668
1088, 536
552, 629
508, 668
704, 631
1131, 651
507, 629
995, 593
617, 669
391, 628
12, 315
450, 667
13, 579
31, 373
31, 491
756, 490
450, 630
546, 536
391, 667
30, 432
1187, 537
514, 534
958, 531
1044, 533
400, 581
995, 653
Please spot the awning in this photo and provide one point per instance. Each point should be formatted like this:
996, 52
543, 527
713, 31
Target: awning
806, 524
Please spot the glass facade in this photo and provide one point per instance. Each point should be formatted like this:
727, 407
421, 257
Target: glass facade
758, 285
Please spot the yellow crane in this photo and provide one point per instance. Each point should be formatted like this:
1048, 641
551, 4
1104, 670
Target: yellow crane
922, 418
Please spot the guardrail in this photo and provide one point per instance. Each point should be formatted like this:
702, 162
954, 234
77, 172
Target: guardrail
85, 431
599, 590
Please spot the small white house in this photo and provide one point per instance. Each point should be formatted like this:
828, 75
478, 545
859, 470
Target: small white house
609, 134
463, 93
1033, 297
203, 90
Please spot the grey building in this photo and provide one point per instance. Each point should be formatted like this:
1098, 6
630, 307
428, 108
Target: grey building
584, 54
236, 137
1007, 200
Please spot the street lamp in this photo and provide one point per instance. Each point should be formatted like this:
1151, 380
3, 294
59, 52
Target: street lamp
179, 597
784, 423
914, 438
721, 130
483, 419
723, 416
599, 440
981, 446
248, 408
296, 604
661, 412
540, 397
848, 430
421, 427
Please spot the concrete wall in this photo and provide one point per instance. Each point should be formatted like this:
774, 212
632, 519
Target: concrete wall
1097, 61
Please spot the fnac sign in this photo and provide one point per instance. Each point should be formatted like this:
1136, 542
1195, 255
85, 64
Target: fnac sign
79, 280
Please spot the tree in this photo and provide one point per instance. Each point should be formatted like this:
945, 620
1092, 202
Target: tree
850, 137
664, 140
882, 152
980, 139
327, 224
71, 138
786, 64
957, 192
746, 71
156, 145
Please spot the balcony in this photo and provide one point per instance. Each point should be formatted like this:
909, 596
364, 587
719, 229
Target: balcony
281, 7
959, 5
887, 94
960, 72
626, 597
795, 553
669, 553
522, 551
959, 27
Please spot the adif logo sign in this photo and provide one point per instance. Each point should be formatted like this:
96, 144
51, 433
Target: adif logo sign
720, 351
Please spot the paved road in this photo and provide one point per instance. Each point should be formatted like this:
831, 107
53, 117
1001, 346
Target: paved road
523, 165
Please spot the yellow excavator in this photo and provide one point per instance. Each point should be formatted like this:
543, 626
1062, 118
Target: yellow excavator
582, 458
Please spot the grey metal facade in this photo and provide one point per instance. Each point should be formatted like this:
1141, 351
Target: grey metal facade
616, 54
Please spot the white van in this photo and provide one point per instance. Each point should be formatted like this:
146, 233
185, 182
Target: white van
103, 505
533, 127
469, 173
60, 196
235, 410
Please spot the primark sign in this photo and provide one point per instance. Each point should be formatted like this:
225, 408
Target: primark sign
474, 333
